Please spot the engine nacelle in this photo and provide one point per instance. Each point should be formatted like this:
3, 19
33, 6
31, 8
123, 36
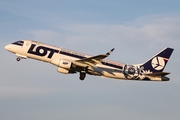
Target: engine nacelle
62, 70
62, 63
65, 64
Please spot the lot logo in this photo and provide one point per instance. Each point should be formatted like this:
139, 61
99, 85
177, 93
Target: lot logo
42, 51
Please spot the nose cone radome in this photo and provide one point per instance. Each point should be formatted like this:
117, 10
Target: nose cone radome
6, 47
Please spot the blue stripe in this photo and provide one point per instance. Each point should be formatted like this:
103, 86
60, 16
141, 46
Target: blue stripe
112, 65
72, 55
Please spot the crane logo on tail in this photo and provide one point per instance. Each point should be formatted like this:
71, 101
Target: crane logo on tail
158, 63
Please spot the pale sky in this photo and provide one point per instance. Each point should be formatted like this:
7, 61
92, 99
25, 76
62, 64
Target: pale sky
137, 29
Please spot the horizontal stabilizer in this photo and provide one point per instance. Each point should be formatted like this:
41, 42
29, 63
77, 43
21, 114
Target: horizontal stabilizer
157, 74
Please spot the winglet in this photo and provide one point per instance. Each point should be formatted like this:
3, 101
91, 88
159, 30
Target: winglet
108, 53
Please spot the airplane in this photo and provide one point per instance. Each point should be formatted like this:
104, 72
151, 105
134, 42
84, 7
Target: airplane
70, 62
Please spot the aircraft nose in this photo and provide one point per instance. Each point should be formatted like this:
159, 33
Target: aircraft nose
7, 47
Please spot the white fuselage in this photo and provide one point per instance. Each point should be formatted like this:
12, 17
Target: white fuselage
69, 62
48, 53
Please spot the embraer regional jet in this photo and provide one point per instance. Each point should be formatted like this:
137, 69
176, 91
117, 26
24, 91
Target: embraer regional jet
70, 62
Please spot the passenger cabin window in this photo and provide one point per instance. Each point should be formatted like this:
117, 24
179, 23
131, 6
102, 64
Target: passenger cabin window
20, 43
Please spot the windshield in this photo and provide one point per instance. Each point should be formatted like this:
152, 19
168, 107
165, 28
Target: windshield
20, 43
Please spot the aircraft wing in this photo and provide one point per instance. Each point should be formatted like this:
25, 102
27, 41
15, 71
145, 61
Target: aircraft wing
92, 61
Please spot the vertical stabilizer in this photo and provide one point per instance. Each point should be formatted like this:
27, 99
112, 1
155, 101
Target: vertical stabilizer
158, 62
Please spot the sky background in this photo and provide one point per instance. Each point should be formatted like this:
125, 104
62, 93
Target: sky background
137, 29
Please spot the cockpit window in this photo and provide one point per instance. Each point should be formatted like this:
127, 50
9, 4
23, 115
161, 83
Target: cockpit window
20, 43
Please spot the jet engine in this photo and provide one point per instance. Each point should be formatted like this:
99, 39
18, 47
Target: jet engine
65, 64
62, 63
62, 70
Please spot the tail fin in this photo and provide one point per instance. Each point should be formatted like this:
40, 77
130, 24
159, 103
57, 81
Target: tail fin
158, 62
